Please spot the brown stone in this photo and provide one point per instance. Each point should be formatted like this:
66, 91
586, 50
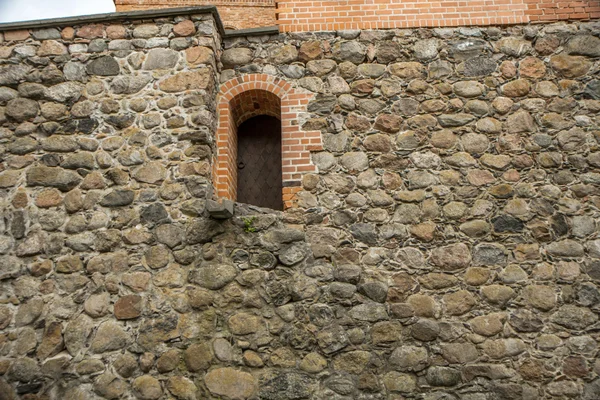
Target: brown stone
575, 366
168, 361
68, 33
195, 80
517, 88
16, 35
21, 199
147, 387
378, 143
129, 307
198, 357
488, 325
546, 45
51, 48
498, 294
52, 342
310, 51
357, 123
49, 198
408, 70
116, 32
480, 177
184, 28
508, 69
425, 231
532, 67
532, 369
182, 388
69, 264
244, 323
231, 383
362, 87
460, 302
570, 66
199, 55
540, 296
9, 178
91, 31
389, 123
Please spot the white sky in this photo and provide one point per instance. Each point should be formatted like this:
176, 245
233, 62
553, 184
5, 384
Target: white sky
24, 10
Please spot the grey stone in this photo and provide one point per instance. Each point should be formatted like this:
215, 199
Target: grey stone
22, 109
584, 45
236, 57
129, 84
220, 210
53, 177
409, 358
349, 51
443, 376
64, 92
426, 49
118, 198
110, 336
103, 66
480, 66
574, 317
76, 334
213, 277
161, 59
24, 370
371, 312
285, 385
454, 120
13, 74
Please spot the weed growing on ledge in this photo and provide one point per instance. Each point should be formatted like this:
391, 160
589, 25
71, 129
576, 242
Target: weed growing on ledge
249, 224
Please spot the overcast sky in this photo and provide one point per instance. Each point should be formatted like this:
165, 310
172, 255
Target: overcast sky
24, 10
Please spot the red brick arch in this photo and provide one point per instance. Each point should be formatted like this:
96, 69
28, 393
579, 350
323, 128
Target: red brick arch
260, 94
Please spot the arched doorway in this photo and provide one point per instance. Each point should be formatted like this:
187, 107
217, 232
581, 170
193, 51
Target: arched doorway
255, 95
259, 162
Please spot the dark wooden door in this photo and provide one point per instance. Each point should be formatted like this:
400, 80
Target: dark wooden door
259, 162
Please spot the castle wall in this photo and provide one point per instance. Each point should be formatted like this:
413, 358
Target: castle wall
446, 248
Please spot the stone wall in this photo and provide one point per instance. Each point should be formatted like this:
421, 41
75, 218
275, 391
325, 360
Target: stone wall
105, 135
447, 248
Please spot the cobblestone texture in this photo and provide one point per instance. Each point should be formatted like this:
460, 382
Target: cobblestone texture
447, 248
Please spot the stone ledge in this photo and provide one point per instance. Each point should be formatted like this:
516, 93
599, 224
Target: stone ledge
266, 30
116, 16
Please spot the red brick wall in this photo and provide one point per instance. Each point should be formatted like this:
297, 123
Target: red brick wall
235, 14
327, 15
260, 94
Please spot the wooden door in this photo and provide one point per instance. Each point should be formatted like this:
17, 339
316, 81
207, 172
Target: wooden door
259, 162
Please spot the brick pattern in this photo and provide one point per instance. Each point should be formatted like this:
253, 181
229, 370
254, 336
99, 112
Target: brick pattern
556, 10
235, 14
260, 94
308, 15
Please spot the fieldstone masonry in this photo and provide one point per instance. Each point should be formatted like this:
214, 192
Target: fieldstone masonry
446, 248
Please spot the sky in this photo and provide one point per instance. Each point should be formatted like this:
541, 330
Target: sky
24, 10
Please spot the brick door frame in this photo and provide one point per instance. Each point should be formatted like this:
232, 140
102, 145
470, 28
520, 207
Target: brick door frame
259, 94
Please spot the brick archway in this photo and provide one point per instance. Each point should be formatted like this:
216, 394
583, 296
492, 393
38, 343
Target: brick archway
259, 94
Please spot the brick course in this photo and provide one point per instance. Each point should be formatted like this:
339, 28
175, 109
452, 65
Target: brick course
326, 15
307, 15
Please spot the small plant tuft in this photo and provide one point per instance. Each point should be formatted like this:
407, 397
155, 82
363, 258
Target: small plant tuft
249, 224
